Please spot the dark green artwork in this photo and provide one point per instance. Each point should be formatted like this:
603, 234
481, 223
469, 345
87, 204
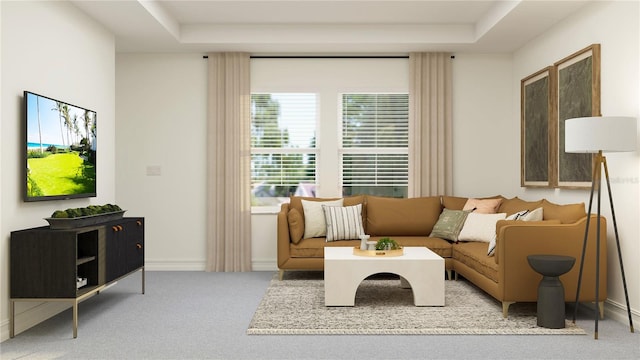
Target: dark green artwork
536, 132
574, 100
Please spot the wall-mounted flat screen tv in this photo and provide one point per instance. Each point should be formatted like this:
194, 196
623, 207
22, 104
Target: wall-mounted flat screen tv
60, 149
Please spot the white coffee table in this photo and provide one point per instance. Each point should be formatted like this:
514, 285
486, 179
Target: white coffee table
420, 267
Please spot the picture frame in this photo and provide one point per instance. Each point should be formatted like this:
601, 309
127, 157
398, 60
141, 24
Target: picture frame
537, 129
578, 95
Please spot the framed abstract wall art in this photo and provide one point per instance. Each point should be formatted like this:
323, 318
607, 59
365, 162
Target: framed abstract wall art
578, 95
537, 129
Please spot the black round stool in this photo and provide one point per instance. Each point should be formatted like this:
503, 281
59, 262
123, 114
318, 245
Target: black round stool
550, 307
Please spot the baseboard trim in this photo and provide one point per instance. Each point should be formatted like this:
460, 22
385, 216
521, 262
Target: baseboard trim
167, 265
198, 265
618, 312
264, 265
34, 315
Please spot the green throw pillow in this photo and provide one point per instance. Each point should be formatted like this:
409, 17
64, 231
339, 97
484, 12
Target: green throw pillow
449, 224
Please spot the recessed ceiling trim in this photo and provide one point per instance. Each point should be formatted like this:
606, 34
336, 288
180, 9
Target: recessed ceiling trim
323, 34
163, 17
498, 12
331, 26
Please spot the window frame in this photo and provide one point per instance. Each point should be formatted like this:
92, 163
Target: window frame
328, 77
371, 150
304, 151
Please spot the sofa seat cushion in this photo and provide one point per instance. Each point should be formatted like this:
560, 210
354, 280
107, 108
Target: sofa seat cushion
437, 245
314, 247
401, 217
474, 255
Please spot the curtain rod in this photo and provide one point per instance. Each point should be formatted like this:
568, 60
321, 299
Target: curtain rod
322, 57
329, 57
326, 57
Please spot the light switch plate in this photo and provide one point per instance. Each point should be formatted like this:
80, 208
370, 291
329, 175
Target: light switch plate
154, 170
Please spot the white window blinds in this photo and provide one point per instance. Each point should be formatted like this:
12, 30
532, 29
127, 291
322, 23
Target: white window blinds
375, 140
283, 146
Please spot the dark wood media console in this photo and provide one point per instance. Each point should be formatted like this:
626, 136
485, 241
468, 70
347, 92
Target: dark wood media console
73, 264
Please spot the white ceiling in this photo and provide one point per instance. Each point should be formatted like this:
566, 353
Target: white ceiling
325, 26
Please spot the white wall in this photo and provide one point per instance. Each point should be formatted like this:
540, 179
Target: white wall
614, 25
53, 49
161, 124
161, 121
485, 153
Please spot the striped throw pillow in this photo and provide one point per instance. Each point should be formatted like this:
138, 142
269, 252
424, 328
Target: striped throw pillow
343, 223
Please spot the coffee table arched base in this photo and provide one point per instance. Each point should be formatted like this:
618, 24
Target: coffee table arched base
422, 269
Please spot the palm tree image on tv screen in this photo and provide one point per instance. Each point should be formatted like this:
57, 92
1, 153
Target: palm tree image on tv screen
61, 149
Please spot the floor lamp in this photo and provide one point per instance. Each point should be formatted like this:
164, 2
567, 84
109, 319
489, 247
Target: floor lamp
597, 135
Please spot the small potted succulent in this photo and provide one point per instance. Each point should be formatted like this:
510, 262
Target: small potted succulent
387, 244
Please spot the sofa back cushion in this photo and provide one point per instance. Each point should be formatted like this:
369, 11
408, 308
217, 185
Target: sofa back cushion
454, 202
296, 227
567, 214
458, 203
482, 206
514, 205
401, 217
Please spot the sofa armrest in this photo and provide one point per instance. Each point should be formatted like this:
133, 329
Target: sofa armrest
514, 226
516, 240
284, 239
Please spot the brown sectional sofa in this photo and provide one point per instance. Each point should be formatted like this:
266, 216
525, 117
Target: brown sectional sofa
506, 276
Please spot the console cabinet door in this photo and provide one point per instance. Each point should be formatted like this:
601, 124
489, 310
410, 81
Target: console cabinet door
134, 252
116, 262
125, 247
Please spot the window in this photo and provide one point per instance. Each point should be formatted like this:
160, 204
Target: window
375, 140
283, 147
328, 128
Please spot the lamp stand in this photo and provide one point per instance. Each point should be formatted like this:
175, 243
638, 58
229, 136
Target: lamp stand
599, 163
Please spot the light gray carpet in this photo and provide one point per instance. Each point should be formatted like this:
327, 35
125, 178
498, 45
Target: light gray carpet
199, 315
296, 306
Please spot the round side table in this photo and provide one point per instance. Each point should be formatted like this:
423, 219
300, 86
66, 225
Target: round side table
550, 308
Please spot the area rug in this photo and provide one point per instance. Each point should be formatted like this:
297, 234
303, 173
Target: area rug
295, 305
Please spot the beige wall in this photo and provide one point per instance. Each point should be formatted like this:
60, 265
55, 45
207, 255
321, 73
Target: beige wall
53, 49
485, 158
616, 26
161, 124
173, 139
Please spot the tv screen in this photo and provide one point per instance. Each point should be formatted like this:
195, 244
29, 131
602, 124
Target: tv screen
60, 149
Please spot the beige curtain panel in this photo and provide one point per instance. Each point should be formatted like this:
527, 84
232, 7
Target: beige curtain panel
430, 124
228, 163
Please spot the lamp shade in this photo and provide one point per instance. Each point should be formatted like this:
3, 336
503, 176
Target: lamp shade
604, 133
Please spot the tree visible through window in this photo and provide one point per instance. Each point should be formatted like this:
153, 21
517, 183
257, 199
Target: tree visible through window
373, 146
375, 139
283, 147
